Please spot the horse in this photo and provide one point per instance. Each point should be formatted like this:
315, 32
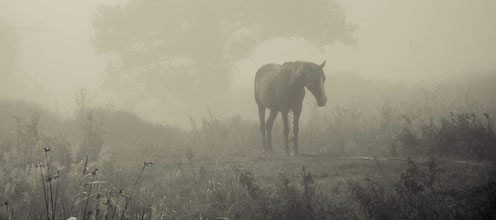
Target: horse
281, 88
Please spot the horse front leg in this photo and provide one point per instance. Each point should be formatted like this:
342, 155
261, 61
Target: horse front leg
269, 125
261, 114
296, 128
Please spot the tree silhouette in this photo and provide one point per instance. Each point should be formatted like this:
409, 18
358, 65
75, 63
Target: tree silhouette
187, 47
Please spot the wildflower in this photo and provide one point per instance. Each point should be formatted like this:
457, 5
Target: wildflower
40, 165
57, 175
148, 163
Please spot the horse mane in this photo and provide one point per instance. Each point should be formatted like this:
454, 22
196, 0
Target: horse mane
292, 63
296, 66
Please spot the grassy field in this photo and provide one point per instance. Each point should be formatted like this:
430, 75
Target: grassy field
408, 161
263, 187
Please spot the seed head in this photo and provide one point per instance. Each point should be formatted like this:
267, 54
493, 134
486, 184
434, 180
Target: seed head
40, 165
57, 175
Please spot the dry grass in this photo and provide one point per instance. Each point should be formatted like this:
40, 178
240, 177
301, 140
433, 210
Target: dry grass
95, 169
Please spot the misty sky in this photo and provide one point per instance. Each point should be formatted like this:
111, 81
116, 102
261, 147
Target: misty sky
398, 40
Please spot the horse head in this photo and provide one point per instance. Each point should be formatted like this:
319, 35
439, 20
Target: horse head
314, 81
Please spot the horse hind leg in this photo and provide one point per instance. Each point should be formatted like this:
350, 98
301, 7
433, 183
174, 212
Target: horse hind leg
261, 114
285, 131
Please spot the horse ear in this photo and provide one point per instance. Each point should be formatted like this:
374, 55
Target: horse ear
323, 64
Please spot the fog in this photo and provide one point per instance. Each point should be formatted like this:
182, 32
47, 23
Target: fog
169, 109
398, 42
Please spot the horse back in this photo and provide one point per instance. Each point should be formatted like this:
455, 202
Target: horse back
265, 81
278, 87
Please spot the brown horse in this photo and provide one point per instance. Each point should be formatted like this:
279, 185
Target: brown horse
281, 88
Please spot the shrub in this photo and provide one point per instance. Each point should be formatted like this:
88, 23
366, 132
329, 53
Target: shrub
419, 194
461, 135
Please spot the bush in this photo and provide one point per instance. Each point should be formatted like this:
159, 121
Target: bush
419, 194
461, 135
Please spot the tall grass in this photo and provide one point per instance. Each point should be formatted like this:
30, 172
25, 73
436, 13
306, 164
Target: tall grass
420, 193
212, 171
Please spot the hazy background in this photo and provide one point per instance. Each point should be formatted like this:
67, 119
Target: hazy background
112, 85
402, 44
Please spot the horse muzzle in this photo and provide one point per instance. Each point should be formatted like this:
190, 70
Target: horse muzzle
322, 102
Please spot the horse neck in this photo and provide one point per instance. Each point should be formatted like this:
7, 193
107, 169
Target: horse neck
301, 79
